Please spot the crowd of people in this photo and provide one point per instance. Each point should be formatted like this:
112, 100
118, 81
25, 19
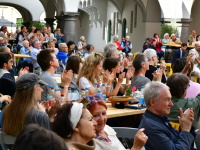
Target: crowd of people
82, 125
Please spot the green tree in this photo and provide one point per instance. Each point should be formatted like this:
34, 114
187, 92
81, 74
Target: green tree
38, 24
168, 29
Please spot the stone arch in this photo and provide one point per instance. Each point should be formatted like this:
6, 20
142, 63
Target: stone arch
195, 17
30, 10
153, 11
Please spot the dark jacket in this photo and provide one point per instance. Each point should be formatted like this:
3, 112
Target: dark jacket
161, 136
177, 54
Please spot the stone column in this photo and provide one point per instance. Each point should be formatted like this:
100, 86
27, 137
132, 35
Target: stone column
185, 24
70, 26
50, 22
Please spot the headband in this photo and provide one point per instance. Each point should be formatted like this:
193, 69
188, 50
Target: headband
76, 112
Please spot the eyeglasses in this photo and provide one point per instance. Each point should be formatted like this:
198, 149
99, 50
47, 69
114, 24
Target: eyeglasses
11, 61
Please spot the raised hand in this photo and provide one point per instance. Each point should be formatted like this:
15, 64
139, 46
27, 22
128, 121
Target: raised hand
130, 73
157, 75
121, 77
140, 140
186, 118
23, 71
66, 77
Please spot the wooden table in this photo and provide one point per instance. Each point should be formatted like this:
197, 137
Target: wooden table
22, 56
177, 46
113, 112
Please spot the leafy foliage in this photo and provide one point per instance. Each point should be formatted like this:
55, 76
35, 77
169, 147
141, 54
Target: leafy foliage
168, 29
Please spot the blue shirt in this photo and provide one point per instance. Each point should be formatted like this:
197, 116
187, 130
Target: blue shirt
24, 50
59, 38
62, 56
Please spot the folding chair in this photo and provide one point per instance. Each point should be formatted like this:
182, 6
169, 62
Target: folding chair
6, 141
125, 132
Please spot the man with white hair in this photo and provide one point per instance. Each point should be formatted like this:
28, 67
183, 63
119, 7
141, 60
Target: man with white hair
195, 58
160, 133
126, 45
153, 61
62, 54
26, 50
110, 50
82, 44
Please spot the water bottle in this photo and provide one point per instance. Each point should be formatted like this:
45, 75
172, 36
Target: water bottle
62, 98
100, 94
103, 91
86, 91
69, 96
51, 97
141, 99
96, 88
82, 94
57, 94
75, 94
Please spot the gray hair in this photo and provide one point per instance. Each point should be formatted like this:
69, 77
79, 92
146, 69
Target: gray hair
165, 34
25, 41
149, 53
61, 45
110, 49
3, 49
153, 90
33, 42
115, 37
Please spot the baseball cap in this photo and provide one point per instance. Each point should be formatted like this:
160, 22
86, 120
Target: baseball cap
148, 39
28, 80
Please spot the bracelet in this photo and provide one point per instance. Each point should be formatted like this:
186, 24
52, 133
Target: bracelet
108, 86
62, 87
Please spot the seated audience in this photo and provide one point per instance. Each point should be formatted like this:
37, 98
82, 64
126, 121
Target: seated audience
179, 53
126, 45
36, 137
194, 88
7, 80
51, 45
71, 48
82, 44
165, 40
192, 37
90, 50
141, 65
32, 32
106, 138
153, 62
178, 83
115, 87
115, 41
59, 37
174, 39
62, 53
34, 52
26, 50
110, 50
2, 42
76, 126
90, 71
157, 42
24, 107
148, 45
195, 58
160, 133
74, 64
49, 63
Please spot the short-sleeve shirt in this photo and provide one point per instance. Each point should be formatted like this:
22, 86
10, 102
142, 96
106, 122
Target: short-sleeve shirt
49, 79
84, 82
139, 81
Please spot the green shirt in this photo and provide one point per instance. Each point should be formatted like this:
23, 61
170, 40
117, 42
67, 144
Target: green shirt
185, 103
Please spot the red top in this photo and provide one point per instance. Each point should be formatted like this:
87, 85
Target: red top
158, 44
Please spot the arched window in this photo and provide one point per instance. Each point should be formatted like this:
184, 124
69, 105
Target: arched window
109, 30
124, 28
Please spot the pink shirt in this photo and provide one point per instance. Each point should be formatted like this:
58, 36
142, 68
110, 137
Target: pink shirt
193, 90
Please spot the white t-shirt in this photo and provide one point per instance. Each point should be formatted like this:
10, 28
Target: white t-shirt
84, 82
115, 144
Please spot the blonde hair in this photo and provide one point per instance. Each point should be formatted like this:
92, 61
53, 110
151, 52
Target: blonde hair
87, 70
15, 113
